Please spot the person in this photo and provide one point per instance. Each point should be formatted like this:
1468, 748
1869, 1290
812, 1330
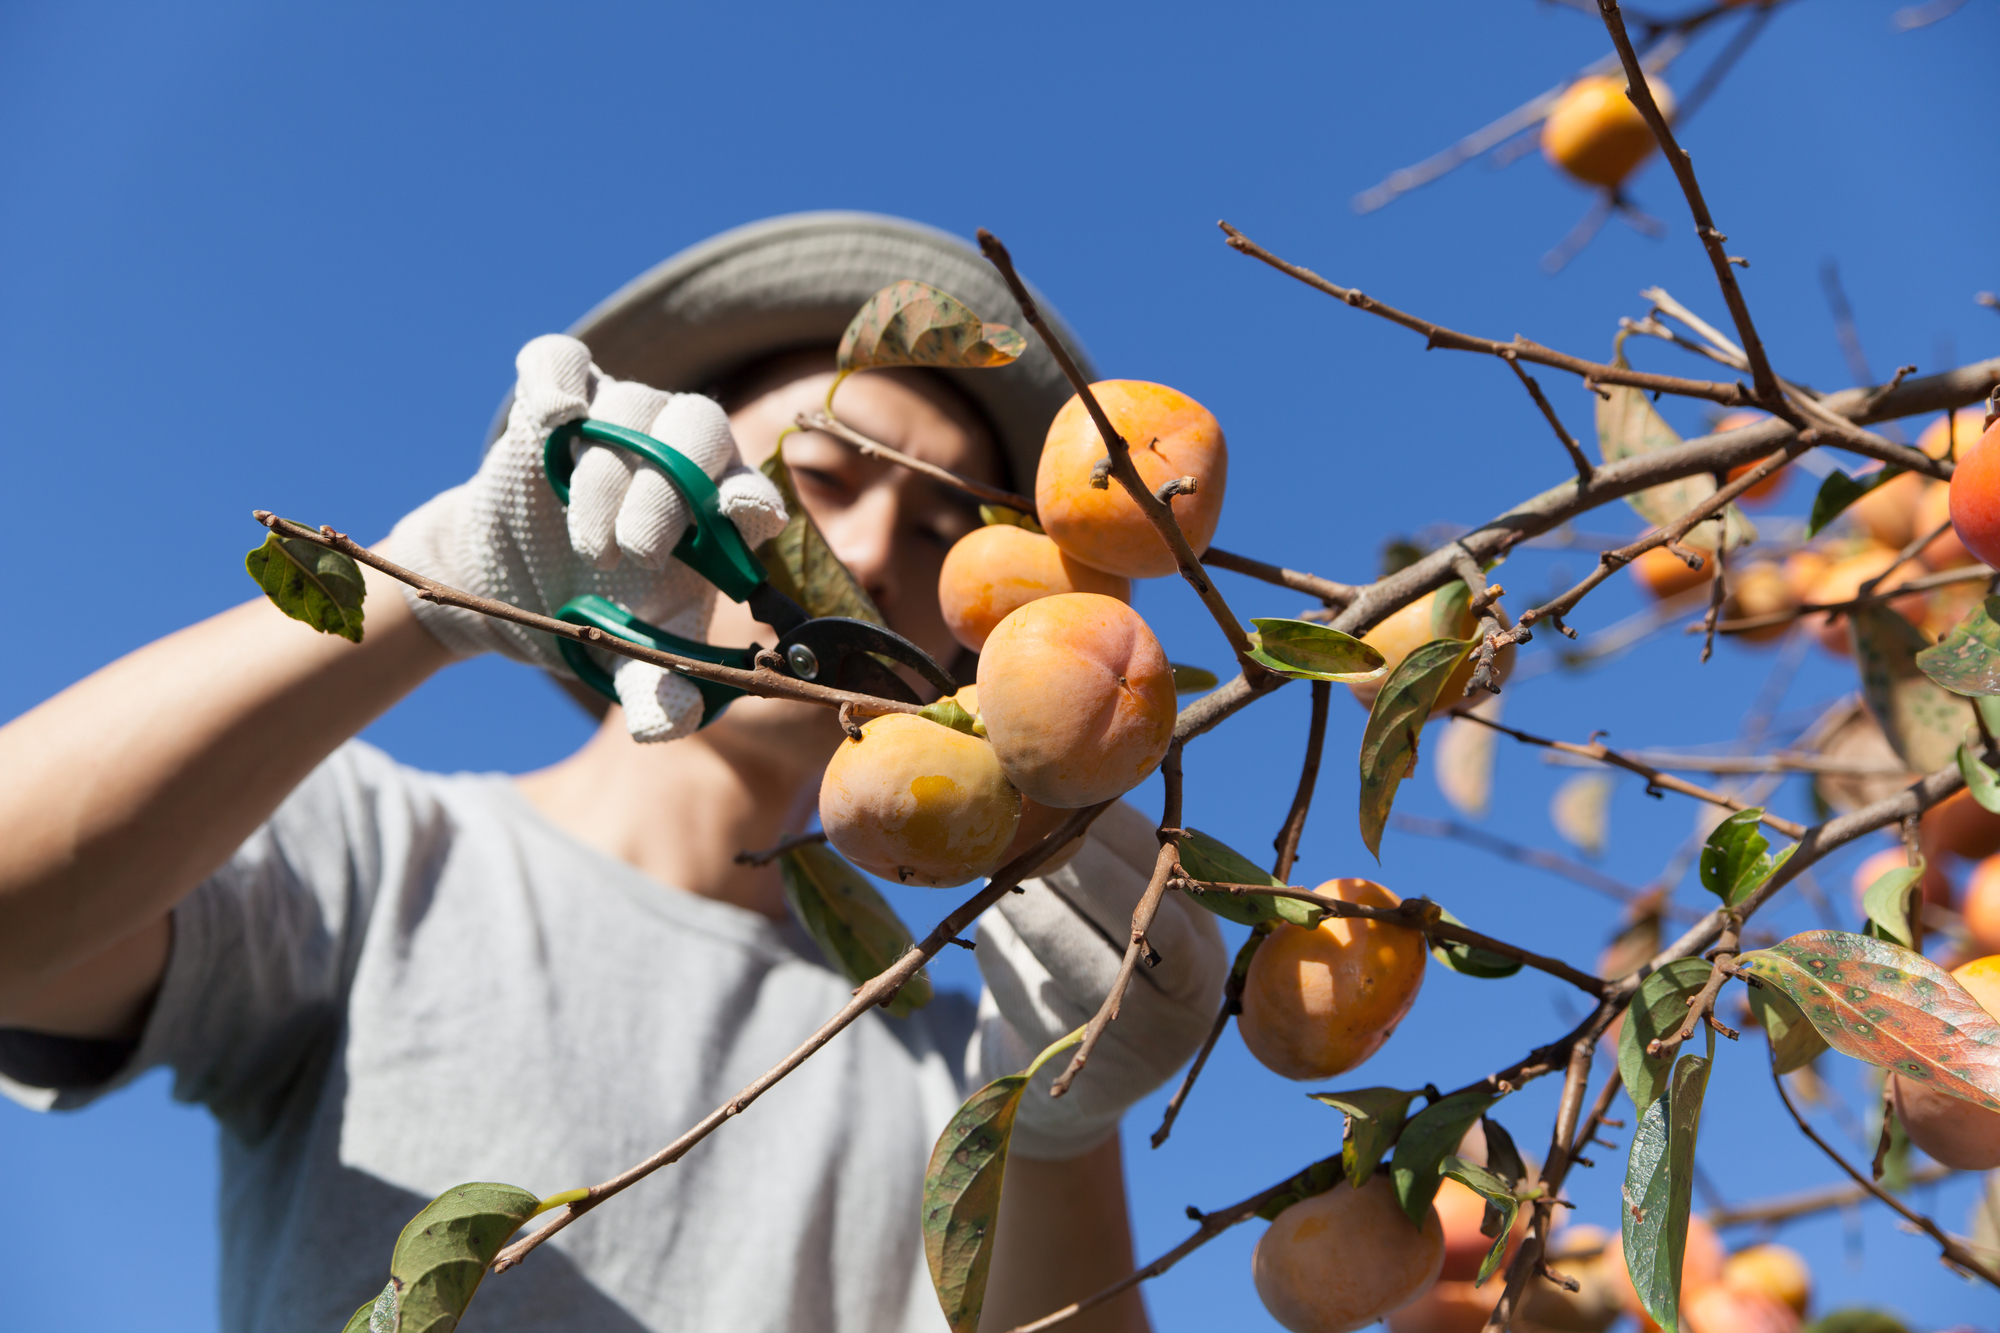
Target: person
385, 982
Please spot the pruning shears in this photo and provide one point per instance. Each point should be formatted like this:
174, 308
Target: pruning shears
838, 651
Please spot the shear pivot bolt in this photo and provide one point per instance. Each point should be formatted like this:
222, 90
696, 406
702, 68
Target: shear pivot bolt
804, 665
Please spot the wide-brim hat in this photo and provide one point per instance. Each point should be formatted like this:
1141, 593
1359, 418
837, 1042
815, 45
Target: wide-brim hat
796, 281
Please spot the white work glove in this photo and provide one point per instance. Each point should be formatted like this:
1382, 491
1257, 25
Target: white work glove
1050, 956
504, 534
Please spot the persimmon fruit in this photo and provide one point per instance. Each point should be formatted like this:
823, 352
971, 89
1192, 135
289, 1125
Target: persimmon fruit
1888, 514
1342, 1260
1720, 1309
1962, 826
918, 802
1404, 631
1170, 435
1077, 697
1776, 1271
1960, 1134
1765, 492
1760, 589
1946, 434
1318, 1002
1975, 496
1665, 575
1981, 909
1595, 133
992, 570
1944, 551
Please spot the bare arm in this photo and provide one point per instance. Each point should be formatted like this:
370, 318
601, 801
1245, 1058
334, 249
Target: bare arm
125, 791
1063, 1235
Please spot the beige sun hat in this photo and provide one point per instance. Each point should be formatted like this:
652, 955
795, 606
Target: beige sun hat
796, 281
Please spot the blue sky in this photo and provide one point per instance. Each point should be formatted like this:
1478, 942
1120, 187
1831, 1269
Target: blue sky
280, 257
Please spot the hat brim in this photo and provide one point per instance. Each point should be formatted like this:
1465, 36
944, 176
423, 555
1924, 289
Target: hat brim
797, 281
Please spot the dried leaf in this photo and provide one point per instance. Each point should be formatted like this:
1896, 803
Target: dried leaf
1839, 491
1389, 742
1628, 426
1886, 903
1581, 811
1658, 1010
1465, 752
962, 1191
910, 323
1304, 650
308, 582
1374, 1118
802, 566
442, 1255
1209, 858
853, 924
1883, 1004
1924, 722
1795, 1043
1470, 960
1858, 739
1659, 1185
1967, 660
1499, 1196
1192, 679
1431, 1136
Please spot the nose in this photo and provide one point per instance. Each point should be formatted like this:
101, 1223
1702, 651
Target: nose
864, 538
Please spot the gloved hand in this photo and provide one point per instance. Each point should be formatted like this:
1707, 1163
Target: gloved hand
504, 534
1050, 956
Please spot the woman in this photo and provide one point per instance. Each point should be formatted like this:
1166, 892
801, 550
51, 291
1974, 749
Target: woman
385, 982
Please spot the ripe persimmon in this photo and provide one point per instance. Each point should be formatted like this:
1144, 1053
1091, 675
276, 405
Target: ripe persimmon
1975, 496
1077, 698
1596, 134
1170, 435
991, 570
917, 802
1665, 575
1404, 631
1981, 909
1765, 492
1776, 1271
1318, 1002
1341, 1260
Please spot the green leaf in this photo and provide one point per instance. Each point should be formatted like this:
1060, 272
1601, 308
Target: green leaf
1924, 723
1886, 1005
1318, 1178
1967, 660
443, 1253
1733, 863
1431, 1136
1503, 1159
910, 323
1470, 960
1627, 426
802, 566
1305, 650
852, 923
1856, 1319
962, 1191
1449, 610
1839, 491
1389, 742
1374, 1118
1886, 902
996, 516
1212, 859
1192, 679
1795, 1043
376, 1316
1500, 1204
1981, 781
308, 582
1659, 1185
949, 712
1658, 1010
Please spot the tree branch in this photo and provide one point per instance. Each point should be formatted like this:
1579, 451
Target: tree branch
1786, 1207
1286, 844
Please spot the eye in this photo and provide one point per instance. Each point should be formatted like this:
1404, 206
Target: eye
822, 483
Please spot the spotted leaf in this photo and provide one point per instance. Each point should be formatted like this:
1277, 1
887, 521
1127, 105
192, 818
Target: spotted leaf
1967, 660
912, 323
1883, 1004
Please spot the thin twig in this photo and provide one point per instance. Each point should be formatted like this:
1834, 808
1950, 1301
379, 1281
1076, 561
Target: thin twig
1137, 947
1954, 1253
1329, 592
780, 847
1922, 583
761, 681
878, 990
1553, 862
1788, 1207
1576, 455
1232, 1004
1286, 844
1158, 512
1654, 777
1785, 761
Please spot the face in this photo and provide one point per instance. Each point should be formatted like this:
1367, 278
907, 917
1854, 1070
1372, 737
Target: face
889, 525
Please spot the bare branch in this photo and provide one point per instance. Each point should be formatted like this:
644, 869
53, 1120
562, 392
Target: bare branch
1286, 844
1788, 1207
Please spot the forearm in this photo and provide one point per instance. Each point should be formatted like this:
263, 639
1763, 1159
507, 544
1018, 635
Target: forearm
122, 793
1063, 1234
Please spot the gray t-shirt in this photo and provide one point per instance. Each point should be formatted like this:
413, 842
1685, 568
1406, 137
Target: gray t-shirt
406, 981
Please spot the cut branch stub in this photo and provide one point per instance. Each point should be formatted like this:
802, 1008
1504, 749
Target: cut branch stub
1308, 651
1374, 1119
962, 1191
1967, 660
323, 588
1658, 1011
1432, 1135
1883, 1004
912, 323
850, 921
1389, 743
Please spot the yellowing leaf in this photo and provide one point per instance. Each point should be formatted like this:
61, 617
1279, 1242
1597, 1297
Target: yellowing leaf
1464, 757
1581, 811
1628, 426
912, 323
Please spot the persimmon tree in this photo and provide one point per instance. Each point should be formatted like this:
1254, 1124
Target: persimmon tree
1873, 997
